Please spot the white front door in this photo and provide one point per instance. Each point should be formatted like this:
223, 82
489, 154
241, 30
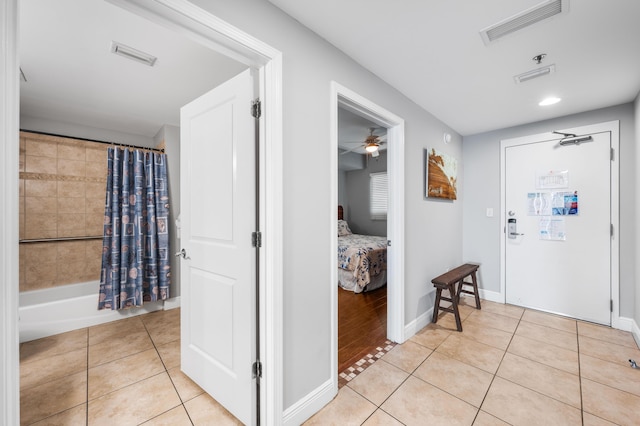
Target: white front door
558, 226
218, 216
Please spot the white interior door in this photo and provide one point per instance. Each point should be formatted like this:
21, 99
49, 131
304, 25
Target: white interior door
218, 216
558, 261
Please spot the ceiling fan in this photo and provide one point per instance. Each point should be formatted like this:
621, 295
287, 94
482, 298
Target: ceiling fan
371, 144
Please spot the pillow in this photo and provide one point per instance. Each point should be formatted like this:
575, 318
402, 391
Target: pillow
343, 228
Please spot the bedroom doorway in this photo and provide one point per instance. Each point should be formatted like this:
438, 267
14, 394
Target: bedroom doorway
377, 314
362, 243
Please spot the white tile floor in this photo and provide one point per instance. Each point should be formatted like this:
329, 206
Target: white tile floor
83, 378
508, 366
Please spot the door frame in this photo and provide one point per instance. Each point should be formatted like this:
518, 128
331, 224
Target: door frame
224, 38
613, 127
349, 100
9, 154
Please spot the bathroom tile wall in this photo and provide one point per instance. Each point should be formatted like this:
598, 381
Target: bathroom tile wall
62, 193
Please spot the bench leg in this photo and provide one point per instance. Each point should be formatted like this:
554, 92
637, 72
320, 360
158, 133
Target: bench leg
436, 305
457, 292
473, 284
475, 289
454, 303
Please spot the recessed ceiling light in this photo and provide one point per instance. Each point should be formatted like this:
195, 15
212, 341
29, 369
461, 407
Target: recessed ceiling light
549, 101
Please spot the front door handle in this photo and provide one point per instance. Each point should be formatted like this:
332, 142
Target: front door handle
182, 253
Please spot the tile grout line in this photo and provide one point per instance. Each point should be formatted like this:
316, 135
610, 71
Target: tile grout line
580, 378
442, 390
498, 368
131, 384
166, 370
437, 387
580, 374
379, 407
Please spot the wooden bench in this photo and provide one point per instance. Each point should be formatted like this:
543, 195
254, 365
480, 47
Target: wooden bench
447, 281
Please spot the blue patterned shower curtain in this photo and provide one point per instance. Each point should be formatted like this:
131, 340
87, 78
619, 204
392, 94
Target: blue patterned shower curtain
135, 248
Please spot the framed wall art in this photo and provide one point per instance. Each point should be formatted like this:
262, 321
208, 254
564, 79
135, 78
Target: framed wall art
441, 175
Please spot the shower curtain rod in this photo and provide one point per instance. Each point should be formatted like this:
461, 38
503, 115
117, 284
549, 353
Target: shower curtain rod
53, 240
124, 145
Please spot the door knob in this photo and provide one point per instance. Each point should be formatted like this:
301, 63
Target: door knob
182, 253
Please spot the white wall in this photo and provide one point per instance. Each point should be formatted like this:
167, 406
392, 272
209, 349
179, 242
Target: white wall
357, 206
434, 235
170, 135
481, 235
60, 128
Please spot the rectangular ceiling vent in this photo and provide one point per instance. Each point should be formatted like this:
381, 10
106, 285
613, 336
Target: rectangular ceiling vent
133, 54
535, 14
538, 72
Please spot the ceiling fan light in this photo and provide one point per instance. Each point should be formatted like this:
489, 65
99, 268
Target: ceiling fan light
371, 147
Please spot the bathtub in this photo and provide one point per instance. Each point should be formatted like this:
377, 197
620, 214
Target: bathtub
64, 308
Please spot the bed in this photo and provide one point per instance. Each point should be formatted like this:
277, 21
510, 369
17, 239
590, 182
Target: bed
362, 259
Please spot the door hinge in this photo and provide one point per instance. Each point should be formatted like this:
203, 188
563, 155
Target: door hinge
256, 108
256, 239
256, 370
611, 229
611, 305
613, 154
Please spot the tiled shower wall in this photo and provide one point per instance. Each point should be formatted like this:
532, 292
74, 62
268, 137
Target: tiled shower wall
62, 193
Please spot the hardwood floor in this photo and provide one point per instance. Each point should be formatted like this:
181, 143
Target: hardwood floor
362, 324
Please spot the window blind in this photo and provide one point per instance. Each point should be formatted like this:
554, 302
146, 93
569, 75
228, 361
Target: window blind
378, 195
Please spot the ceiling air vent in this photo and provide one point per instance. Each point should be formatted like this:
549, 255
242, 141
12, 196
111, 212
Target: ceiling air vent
538, 72
133, 54
535, 14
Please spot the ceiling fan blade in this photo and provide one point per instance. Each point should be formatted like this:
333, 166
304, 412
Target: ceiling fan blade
350, 150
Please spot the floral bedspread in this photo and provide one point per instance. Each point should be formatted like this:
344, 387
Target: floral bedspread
365, 255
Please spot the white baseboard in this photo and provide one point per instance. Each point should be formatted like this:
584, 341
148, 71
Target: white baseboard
635, 330
628, 324
492, 296
172, 303
622, 323
306, 407
418, 324
423, 320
